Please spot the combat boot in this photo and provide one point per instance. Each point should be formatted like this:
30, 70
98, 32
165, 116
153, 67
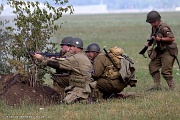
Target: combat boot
97, 95
156, 85
171, 84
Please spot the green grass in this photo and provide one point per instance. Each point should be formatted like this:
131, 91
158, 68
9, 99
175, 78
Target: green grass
130, 32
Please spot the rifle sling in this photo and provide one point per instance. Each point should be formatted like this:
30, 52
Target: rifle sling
107, 55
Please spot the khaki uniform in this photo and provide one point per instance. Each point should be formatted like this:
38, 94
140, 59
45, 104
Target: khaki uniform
163, 58
80, 69
107, 83
61, 77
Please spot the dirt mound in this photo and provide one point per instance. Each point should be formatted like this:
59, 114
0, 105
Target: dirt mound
16, 93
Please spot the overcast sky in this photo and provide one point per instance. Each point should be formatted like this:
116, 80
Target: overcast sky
78, 10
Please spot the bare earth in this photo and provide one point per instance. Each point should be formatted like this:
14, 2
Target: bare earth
15, 93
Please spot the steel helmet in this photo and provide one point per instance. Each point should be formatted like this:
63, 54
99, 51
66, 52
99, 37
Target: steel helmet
77, 42
66, 40
93, 47
153, 16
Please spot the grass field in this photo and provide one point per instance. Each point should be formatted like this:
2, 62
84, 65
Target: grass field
130, 32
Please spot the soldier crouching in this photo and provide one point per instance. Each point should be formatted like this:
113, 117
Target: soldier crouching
80, 68
112, 71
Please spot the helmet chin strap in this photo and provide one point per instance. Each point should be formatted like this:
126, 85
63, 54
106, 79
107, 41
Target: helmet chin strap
95, 54
75, 50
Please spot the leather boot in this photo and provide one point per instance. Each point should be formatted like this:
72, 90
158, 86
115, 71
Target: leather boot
171, 84
156, 86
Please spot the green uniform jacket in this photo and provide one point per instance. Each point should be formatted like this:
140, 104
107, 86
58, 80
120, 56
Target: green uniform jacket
162, 58
63, 56
99, 65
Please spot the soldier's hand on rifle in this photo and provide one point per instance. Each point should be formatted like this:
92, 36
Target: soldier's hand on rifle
38, 56
153, 37
53, 57
158, 38
147, 44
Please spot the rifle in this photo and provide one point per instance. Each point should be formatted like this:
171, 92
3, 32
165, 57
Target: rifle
126, 57
150, 42
107, 55
45, 54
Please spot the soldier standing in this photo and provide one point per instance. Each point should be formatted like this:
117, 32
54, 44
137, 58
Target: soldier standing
163, 52
80, 69
105, 72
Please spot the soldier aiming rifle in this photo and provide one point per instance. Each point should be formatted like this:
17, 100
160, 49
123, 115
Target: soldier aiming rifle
45, 54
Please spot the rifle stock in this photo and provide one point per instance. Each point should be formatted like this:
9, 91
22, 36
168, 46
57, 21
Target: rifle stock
45, 54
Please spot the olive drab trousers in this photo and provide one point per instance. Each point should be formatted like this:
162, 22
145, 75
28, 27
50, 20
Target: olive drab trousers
108, 87
60, 83
164, 62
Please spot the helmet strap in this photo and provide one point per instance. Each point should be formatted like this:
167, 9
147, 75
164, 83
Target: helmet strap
75, 50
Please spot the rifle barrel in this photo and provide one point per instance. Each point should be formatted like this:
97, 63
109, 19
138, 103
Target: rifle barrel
45, 54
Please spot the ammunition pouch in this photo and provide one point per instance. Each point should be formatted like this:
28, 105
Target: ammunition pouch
162, 50
77, 82
173, 49
111, 73
82, 82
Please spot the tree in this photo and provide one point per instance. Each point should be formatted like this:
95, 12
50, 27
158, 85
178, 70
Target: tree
4, 68
1, 32
34, 28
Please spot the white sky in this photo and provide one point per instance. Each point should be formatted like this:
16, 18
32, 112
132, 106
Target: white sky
78, 10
